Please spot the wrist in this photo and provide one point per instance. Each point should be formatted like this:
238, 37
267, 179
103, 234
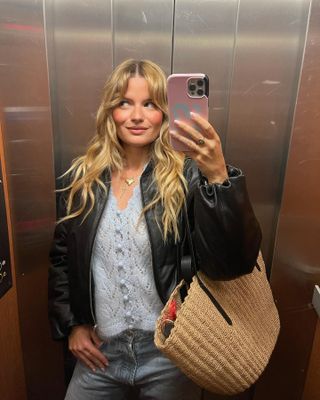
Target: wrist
221, 179
78, 327
220, 176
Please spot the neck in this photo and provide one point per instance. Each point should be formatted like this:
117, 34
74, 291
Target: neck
136, 158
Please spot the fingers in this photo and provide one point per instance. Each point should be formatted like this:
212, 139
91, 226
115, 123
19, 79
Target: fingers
195, 140
198, 136
95, 338
204, 148
192, 132
206, 128
193, 135
90, 355
190, 143
85, 349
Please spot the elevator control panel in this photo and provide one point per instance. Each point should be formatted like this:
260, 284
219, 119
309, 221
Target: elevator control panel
5, 265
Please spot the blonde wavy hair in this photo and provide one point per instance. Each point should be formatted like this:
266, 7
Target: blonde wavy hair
106, 152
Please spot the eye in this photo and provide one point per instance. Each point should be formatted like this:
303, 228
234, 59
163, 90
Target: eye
150, 104
123, 103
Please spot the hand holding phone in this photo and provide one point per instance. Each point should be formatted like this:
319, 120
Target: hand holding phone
186, 93
193, 134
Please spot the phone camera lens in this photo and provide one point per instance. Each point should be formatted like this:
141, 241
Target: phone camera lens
192, 87
200, 83
200, 92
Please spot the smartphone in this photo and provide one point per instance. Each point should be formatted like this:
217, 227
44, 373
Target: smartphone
186, 93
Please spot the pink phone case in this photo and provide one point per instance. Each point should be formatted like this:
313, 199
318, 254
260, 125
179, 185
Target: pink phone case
180, 103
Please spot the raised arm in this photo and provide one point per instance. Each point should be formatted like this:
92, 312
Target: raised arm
226, 233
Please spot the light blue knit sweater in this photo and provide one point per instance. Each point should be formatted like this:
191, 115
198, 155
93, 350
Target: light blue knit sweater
125, 292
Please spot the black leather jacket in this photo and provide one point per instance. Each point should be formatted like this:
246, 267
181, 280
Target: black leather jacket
225, 232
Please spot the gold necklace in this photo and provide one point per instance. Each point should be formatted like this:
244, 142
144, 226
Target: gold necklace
127, 183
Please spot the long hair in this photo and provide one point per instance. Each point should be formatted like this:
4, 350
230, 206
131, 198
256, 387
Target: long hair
105, 150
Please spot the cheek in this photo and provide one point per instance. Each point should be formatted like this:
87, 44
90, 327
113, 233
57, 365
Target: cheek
156, 118
118, 116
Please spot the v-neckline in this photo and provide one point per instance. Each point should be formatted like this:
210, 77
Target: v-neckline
115, 200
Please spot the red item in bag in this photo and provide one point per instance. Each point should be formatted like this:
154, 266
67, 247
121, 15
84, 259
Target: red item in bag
172, 311
169, 318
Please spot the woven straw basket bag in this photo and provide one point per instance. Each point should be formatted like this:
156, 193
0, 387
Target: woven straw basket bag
222, 350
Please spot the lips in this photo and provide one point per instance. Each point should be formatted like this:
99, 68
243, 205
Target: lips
137, 130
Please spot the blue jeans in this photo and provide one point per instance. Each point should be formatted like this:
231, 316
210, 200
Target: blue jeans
134, 361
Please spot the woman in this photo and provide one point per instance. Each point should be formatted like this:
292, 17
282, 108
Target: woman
121, 235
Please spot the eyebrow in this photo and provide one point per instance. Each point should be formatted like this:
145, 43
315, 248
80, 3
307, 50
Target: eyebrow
128, 98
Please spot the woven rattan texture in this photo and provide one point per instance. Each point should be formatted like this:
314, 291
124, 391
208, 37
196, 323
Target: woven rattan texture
221, 358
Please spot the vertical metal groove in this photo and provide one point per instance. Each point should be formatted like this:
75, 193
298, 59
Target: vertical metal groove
48, 24
45, 38
51, 78
172, 34
112, 34
143, 31
224, 144
299, 79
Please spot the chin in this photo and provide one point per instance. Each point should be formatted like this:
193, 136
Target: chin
137, 141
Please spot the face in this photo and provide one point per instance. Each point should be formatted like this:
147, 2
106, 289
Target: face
137, 119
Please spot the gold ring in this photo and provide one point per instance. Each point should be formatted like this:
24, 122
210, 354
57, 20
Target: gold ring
200, 142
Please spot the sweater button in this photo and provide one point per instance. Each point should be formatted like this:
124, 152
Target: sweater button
125, 297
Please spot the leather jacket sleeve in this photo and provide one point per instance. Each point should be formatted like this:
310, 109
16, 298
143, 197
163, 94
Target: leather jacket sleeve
225, 231
60, 315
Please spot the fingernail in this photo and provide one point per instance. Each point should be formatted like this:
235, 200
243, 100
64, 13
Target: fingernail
192, 114
176, 122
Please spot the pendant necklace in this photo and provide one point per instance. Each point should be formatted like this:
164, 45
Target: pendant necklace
127, 183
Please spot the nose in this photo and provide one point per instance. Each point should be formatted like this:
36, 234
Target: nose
137, 114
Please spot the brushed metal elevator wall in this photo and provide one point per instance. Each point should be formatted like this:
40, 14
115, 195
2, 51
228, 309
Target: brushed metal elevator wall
25, 117
251, 51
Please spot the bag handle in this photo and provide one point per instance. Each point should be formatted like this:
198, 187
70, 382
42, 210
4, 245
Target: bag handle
187, 269
189, 262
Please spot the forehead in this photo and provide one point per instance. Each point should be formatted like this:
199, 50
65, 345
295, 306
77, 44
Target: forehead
137, 88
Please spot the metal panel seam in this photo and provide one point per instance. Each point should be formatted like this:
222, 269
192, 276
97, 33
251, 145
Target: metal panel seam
44, 10
112, 34
224, 145
172, 34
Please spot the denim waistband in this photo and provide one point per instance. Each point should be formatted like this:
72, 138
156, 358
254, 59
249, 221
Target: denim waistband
138, 335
